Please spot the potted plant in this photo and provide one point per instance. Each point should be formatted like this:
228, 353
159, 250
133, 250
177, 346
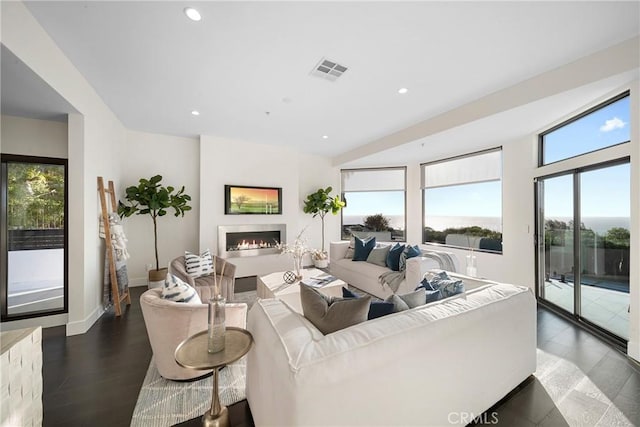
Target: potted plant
149, 197
319, 204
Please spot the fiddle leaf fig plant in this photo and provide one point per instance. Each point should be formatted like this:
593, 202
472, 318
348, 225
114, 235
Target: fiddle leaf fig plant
149, 197
319, 204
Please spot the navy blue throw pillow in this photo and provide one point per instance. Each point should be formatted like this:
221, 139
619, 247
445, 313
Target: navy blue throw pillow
413, 251
433, 296
363, 248
376, 308
393, 259
426, 285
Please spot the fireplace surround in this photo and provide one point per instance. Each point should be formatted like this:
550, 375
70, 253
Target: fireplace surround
250, 239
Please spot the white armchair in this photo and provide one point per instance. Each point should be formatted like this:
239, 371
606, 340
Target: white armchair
169, 323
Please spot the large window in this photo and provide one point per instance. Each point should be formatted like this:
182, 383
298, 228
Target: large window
375, 203
602, 126
583, 220
462, 201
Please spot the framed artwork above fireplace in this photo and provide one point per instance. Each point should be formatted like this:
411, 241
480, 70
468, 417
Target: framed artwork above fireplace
243, 200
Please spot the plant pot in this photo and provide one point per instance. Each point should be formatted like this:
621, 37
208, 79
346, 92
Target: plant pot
157, 277
321, 263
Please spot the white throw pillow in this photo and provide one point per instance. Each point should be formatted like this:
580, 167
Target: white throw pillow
198, 265
176, 290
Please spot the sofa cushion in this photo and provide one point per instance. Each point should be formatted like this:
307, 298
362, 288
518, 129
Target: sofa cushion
198, 265
393, 258
176, 290
378, 256
363, 248
376, 308
407, 301
332, 314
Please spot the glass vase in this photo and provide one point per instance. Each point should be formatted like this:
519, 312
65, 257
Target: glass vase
217, 326
471, 265
297, 267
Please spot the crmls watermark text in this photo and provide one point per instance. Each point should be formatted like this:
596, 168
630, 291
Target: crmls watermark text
487, 418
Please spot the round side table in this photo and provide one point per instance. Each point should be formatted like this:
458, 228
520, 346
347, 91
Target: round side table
192, 354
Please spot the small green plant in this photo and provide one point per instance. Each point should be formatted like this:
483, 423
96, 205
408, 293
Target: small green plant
319, 204
377, 222
149, 197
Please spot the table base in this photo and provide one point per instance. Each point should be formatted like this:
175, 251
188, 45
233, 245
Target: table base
220, 420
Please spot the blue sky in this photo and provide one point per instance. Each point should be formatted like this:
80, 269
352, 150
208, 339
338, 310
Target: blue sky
604, 192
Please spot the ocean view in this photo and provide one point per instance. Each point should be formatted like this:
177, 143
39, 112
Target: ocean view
598, 224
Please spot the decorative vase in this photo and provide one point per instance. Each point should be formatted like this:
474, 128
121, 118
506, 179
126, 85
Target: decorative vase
297, 267
321, 263
471, 265
157, 277
217, 326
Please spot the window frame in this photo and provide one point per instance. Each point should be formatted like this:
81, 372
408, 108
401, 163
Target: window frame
4, 291
599, 106
424, 189
342, 193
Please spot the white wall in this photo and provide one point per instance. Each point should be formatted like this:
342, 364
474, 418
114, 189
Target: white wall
96, 138
178, 161
31, 137
224, 161
516, 264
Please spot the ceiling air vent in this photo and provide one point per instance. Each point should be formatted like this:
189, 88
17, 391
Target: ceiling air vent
328, 70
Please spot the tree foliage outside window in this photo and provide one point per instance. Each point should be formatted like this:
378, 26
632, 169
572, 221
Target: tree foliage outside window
35, 196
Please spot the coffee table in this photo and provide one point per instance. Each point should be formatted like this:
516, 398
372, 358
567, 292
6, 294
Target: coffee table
273, 286
192, 354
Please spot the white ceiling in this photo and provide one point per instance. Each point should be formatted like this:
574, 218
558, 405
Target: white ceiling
152, 65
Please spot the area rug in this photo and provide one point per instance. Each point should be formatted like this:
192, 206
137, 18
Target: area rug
163, 403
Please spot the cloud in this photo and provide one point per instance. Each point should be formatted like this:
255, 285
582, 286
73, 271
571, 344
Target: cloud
612, 124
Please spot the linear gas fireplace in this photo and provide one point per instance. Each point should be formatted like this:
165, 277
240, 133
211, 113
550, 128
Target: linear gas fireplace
250, 240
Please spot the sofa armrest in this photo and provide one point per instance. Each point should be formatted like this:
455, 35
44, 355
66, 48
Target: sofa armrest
337, 250
416, 268
236, 314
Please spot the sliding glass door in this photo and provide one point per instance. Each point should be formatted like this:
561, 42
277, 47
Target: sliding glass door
33, 236
583, 220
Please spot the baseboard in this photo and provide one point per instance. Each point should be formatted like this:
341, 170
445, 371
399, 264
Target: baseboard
633, 350
82, 326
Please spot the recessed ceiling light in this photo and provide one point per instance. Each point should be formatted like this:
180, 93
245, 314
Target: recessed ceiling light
195, 112
192, 14
325, 136
403, 90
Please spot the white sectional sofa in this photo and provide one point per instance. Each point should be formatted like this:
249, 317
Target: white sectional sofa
433, 365
364, 275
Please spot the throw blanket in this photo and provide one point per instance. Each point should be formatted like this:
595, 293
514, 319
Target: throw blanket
120, 256
121, 275
392, 279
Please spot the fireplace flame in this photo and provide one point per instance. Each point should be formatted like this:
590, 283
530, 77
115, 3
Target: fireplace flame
245, 245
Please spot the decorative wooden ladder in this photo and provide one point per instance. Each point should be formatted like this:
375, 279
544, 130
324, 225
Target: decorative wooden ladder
115, 291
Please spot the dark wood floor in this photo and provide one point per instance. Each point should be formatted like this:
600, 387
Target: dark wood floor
94, 379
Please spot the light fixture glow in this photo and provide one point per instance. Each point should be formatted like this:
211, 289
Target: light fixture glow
325, 136
192, 14
403, 90
195, 112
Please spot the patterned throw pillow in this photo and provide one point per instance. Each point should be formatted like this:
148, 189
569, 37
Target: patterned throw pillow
447, 286
176, 290
198, 265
